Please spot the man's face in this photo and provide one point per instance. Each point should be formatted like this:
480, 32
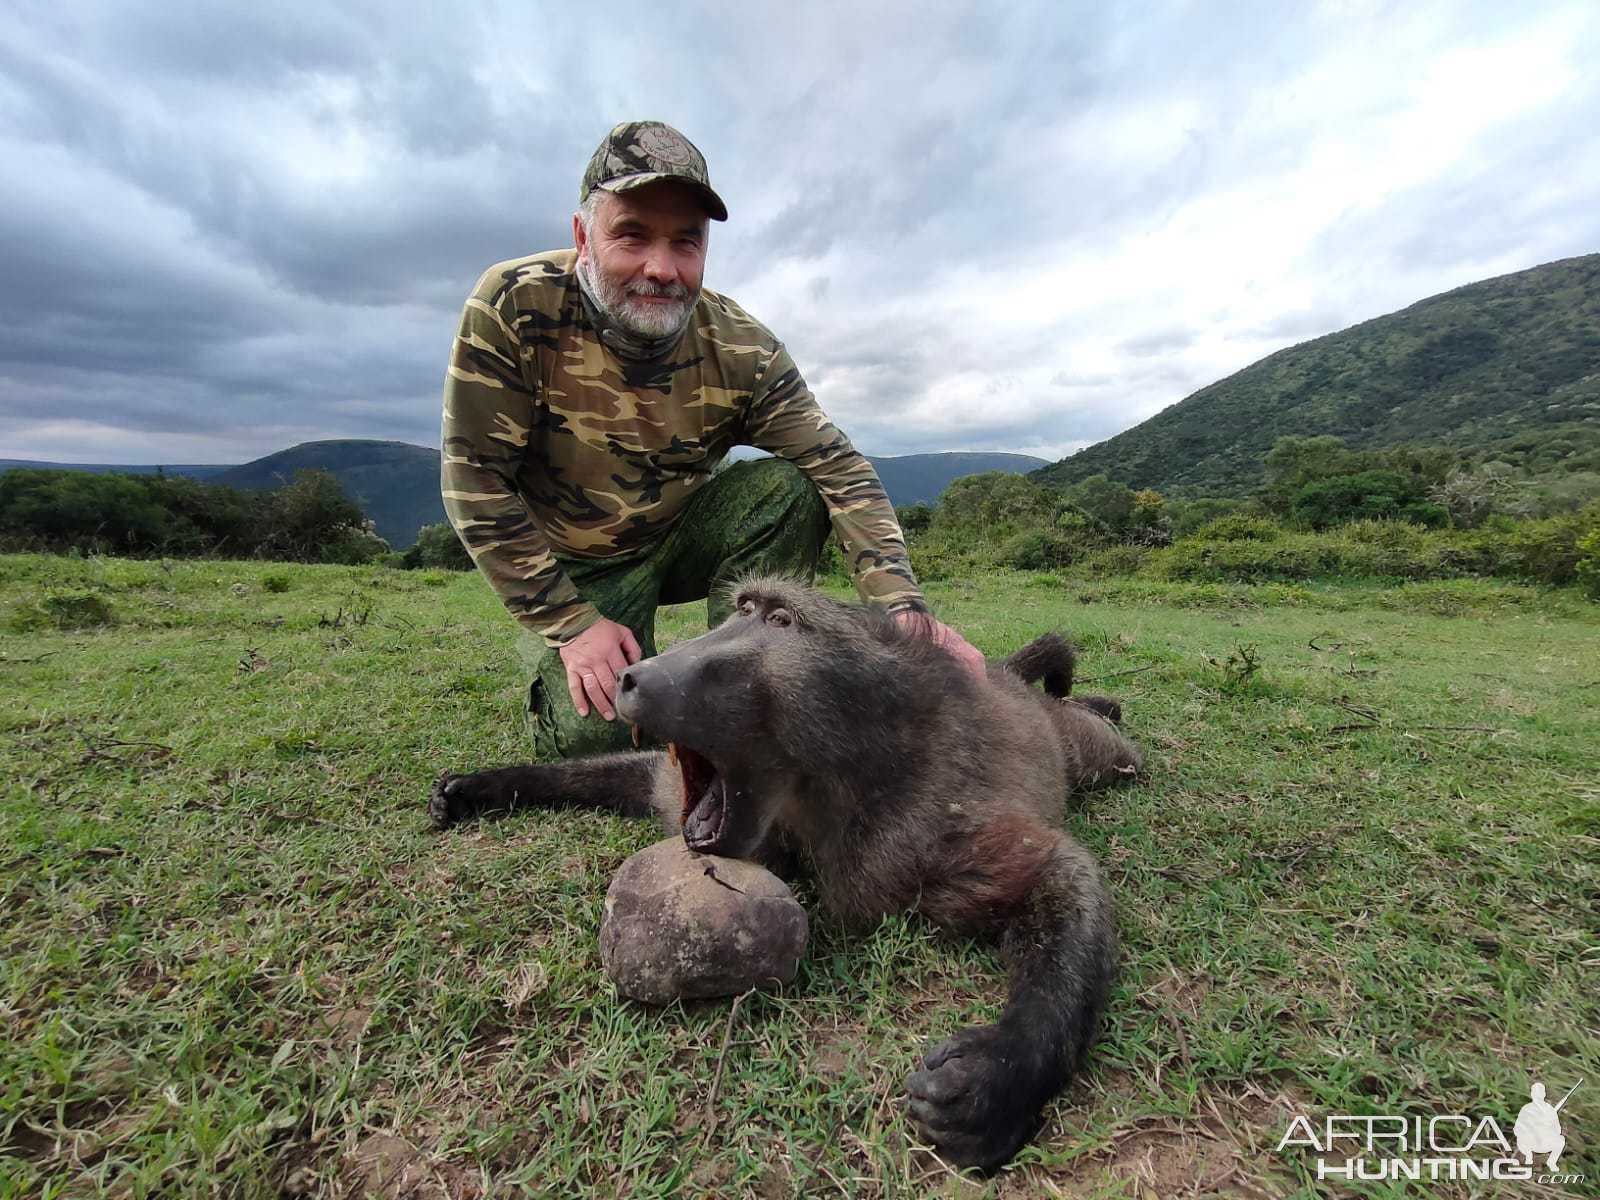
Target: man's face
644, 256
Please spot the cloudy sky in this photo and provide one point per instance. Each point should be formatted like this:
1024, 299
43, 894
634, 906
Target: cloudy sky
226, 229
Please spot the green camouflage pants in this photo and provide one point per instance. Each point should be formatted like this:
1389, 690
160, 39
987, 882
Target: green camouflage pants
760, 517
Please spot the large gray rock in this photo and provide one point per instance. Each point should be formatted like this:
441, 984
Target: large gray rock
682, 926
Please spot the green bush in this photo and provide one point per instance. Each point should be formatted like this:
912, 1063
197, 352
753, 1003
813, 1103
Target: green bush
1107, 501
1285, 560
1589, 562
1114, 560
914, 518
66, 608
831, 564
995, 500
1546, 551
1039, 550
1190, 516
275, 583
350, 546
1365, 494
438, 546
1237, 528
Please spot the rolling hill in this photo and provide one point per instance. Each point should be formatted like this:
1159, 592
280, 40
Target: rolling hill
919, 478
1509, 362
395, 483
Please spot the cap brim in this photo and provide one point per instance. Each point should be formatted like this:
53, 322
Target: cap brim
715, 208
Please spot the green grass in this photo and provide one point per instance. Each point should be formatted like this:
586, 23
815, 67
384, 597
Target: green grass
1360, 877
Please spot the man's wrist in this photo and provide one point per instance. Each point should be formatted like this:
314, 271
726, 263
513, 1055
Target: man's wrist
910, 604
567, 629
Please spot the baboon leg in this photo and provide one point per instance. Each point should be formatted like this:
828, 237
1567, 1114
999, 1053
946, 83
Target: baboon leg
1098, 753
620, 783
978, 1096
1049, 657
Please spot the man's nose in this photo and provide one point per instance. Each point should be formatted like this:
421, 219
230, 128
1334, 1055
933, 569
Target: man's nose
659, 266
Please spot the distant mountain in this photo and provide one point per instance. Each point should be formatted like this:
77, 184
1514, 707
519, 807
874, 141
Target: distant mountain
920, 478
192, 470
1497, 366
397, 484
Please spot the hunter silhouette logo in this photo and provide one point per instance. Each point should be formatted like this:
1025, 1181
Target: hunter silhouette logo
1538, 1129
1446, 1146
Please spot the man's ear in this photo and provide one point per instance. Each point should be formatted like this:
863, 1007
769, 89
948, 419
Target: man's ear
578, 238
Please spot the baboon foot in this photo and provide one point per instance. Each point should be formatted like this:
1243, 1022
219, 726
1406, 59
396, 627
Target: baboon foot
972, 1098
1108, 708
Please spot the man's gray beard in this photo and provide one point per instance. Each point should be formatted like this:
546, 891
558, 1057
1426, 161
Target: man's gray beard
641, 319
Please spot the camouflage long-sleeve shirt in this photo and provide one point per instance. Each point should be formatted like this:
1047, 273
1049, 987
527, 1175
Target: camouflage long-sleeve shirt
554, 445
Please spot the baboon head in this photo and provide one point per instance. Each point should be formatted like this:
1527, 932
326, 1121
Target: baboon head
744, 704
708, 699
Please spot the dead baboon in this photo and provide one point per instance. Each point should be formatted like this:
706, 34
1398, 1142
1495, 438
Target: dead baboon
803, 725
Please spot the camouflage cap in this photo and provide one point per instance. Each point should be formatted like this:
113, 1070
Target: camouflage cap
639, 152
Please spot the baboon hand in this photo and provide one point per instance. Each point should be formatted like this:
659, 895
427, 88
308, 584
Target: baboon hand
974, 1098
456, 798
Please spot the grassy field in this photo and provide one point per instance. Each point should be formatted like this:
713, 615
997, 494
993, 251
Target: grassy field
1359, 877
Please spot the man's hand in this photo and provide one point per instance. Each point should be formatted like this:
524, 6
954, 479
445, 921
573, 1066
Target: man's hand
593, 660
941, 634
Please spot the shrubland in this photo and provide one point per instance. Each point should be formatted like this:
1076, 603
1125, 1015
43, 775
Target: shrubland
1406, 513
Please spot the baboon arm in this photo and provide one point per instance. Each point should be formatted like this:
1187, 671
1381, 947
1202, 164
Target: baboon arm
620, 783
1062, 952
978, 1096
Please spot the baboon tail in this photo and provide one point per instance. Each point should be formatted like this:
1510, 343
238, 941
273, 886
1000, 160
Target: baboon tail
1049, 658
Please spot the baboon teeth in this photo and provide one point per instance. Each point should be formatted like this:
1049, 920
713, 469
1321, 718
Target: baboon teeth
633, 732
672, 753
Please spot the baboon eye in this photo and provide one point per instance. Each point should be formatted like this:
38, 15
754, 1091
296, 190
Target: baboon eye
746, 606
780, 617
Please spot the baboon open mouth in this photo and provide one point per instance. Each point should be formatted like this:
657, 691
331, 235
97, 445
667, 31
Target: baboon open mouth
705, 798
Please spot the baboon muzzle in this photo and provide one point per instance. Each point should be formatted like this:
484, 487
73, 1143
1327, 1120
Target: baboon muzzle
672, 698
687, 694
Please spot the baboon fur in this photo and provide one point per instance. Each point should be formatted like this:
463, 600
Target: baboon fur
906, 783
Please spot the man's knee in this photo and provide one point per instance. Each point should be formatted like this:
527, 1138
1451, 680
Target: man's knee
781, 498
558, 732
788, 485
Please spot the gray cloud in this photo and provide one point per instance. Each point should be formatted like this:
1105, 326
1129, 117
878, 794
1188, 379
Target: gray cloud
1161, 341
229, 227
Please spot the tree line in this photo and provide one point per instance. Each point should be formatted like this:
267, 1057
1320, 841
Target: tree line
309, 519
